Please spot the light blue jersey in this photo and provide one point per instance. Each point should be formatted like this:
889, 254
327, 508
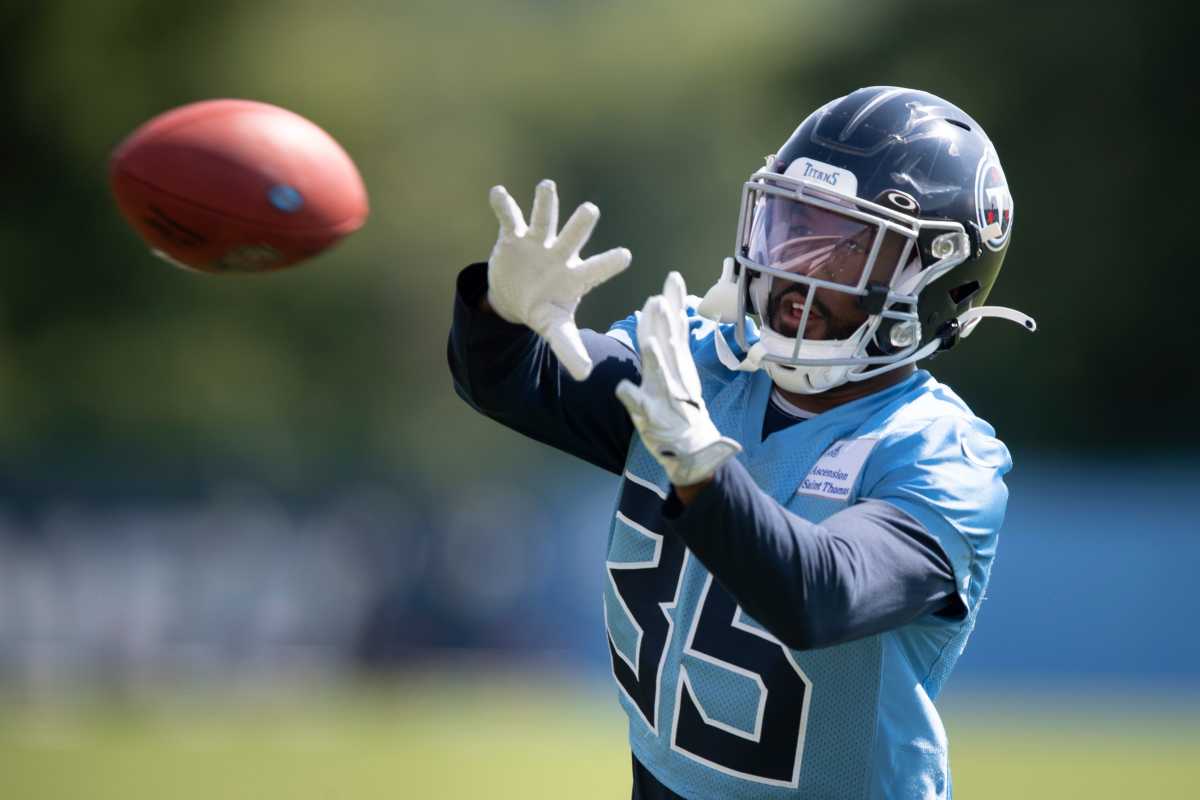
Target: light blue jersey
718, 707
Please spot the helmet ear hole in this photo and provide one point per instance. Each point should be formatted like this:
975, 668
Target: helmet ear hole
964, 292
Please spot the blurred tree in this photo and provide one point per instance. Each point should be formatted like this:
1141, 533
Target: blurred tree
112, 364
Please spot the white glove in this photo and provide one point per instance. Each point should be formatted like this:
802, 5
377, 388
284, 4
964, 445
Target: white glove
535, 275
668, 409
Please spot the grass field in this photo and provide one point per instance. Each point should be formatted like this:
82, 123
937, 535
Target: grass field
435, 737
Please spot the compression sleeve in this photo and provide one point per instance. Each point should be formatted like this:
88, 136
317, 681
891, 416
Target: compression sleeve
864, 570
508, 373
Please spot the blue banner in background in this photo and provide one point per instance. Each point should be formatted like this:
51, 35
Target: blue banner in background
1092, 582
1094, 576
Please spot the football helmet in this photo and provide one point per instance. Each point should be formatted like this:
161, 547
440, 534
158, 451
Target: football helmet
869, 241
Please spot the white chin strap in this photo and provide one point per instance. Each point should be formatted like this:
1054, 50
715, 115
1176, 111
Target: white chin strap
804, 379
972, 317
809, 379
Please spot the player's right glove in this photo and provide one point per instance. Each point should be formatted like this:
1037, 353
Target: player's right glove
668, 408
535, 275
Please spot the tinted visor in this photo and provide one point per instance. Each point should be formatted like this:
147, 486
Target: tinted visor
793, 236
816, 244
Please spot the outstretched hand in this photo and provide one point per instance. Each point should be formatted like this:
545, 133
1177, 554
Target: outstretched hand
536, 277
668, 408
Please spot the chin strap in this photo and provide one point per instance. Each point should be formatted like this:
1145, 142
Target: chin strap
972, 316
751, 363
966, 323
720, 304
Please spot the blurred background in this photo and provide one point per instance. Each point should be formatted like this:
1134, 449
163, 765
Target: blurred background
252, 545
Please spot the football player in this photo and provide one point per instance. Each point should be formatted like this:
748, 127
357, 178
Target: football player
806, 522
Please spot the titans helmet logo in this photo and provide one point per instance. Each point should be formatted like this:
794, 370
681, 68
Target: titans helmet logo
993, 201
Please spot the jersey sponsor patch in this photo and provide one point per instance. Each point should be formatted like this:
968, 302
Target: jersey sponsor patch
837, 470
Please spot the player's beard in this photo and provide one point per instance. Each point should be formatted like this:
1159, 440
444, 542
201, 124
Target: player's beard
822, 323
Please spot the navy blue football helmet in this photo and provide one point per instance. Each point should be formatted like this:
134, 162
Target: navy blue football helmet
869, 241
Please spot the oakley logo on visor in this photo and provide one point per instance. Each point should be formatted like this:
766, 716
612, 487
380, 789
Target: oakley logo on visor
842, 181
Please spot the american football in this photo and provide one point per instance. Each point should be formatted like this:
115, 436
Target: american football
236, 186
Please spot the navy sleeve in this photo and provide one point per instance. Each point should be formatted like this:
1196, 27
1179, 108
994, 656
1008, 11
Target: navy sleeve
864, 570
508, 373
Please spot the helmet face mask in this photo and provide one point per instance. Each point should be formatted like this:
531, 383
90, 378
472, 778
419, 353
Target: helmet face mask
881, 220
837, 269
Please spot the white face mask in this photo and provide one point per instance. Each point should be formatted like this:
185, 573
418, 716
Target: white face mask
720, 303
809, 379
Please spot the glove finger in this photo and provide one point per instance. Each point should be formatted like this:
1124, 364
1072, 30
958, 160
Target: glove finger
567, 345
652, 329
635, 402
689, 377
643, 322
675, 314
508, 213
653, 318
575, 232
543, 217
672, 347
669, 378
649, 320
654, 382
675, 292
599, 268
727, 271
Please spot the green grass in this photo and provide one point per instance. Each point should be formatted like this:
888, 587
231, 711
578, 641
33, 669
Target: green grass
480, 737
1095, 747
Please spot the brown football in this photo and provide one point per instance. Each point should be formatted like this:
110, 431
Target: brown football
227, 186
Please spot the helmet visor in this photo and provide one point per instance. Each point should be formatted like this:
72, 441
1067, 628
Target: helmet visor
793, 236
825, 251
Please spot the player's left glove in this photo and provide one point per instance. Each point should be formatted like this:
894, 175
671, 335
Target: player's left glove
668, 409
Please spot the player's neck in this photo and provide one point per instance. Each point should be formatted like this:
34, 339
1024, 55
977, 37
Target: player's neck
851, 390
